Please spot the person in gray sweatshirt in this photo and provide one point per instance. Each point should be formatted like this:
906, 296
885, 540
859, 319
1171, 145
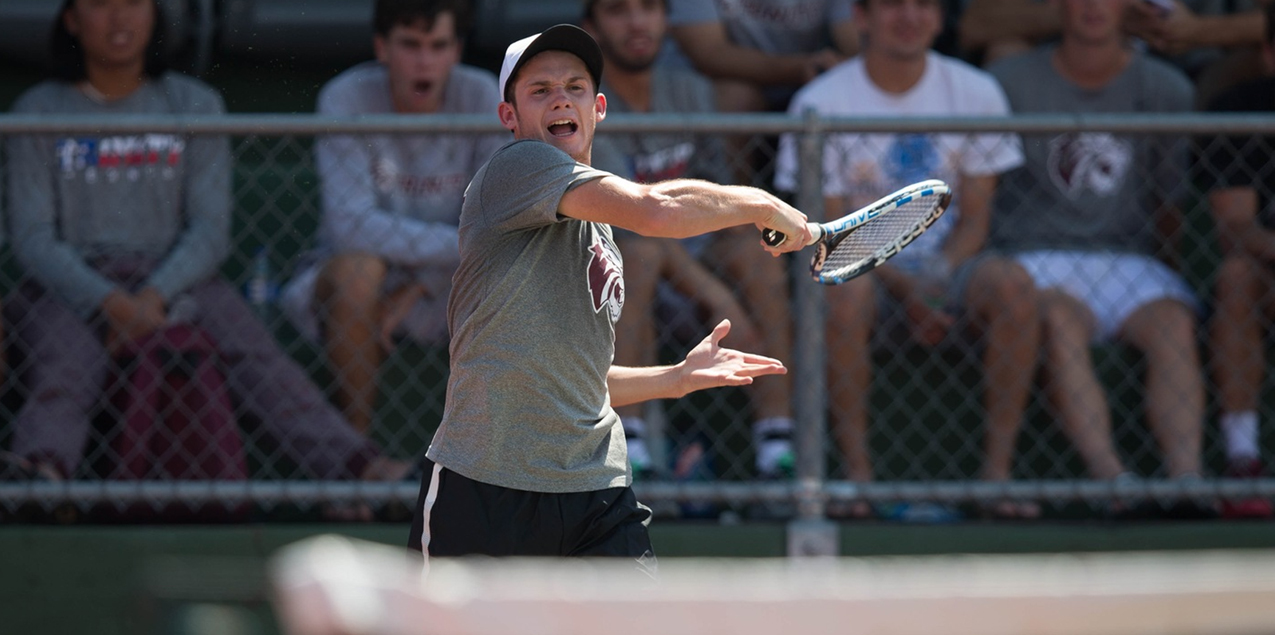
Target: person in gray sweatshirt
120, 234
386, 246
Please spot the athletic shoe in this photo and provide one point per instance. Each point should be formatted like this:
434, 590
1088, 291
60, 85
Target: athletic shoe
1256, 507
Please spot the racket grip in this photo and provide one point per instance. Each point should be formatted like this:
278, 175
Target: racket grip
772, 237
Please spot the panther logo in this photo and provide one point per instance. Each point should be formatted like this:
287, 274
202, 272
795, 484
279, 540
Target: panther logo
1094, 163
606, 278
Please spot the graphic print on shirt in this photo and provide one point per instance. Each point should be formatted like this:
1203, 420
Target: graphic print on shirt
606, 278
910, 158
672, 162
389, 178
126, 157
793, 15
1088, 162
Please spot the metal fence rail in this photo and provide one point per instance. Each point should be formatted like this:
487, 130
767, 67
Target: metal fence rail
926, 413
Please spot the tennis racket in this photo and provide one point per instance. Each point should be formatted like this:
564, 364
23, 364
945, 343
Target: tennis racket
860, 241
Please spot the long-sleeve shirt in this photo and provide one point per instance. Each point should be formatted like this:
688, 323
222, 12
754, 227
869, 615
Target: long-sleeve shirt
73, 199
399, 196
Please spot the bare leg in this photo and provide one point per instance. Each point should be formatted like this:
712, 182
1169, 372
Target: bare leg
852, 311
1002, 299
1235, 332
1072, 385
348, 293
635, 338
1164, 331
763, 283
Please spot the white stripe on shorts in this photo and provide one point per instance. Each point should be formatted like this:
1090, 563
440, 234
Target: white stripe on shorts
431, 495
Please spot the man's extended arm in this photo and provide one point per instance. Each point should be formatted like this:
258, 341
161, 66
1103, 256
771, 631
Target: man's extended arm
708, 365
681, 208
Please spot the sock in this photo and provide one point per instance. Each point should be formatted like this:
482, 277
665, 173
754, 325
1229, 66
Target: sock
772, 442
635, 438
1240, 429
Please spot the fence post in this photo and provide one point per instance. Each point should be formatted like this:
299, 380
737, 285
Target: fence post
811, 533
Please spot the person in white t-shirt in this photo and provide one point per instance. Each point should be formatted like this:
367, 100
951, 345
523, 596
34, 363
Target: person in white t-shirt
941, 280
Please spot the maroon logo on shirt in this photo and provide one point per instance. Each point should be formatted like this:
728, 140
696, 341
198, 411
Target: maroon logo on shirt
1089, 163
606, 278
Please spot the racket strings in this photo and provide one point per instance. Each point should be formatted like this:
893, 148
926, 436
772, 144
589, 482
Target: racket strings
883, 235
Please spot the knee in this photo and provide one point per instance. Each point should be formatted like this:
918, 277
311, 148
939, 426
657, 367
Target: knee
1236, 276
852, 303
351, 280
1171, 326
1005, 286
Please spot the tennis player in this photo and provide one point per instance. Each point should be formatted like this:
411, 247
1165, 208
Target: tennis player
530, 459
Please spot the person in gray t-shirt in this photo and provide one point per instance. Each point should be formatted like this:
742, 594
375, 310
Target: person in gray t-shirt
530, 458
1080, 217
630, 33
387, 241
759, 52
119, 232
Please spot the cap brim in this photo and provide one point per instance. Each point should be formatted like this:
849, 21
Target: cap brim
563, 37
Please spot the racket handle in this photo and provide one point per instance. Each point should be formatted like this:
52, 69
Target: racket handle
775, 238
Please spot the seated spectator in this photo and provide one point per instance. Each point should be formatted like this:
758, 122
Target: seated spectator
942, 275
1241, 182
630, 33
758, 54
387, 241
112, 229
1211, 40
1082, 216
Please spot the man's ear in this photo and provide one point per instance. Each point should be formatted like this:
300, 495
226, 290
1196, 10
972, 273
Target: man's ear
601, 106
378, 45
508, 118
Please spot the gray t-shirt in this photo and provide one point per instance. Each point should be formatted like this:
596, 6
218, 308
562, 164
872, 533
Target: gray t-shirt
650, 158
159, 196
778, 27
1092, 191
532, 317
396, 195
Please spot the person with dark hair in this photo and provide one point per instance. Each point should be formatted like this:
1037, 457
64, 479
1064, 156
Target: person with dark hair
120, 233
1240, 179
387, 240
530, 458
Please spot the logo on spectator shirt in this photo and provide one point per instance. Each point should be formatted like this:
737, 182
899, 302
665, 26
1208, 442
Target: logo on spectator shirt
389, 178
664, 164
1093, 162
606, 278
127, 157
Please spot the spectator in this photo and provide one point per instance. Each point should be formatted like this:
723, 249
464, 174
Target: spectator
1211, 40
387, 242
1081, 215
759, 53
1241, 197
940, 276
113, 228
990, 30
629, 33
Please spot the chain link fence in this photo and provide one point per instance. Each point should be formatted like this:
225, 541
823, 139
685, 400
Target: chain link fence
926, 415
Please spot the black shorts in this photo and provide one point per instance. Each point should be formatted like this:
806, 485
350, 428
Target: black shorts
466, 517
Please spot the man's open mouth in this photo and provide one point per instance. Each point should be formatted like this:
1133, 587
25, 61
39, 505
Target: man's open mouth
423, 86
562, 128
